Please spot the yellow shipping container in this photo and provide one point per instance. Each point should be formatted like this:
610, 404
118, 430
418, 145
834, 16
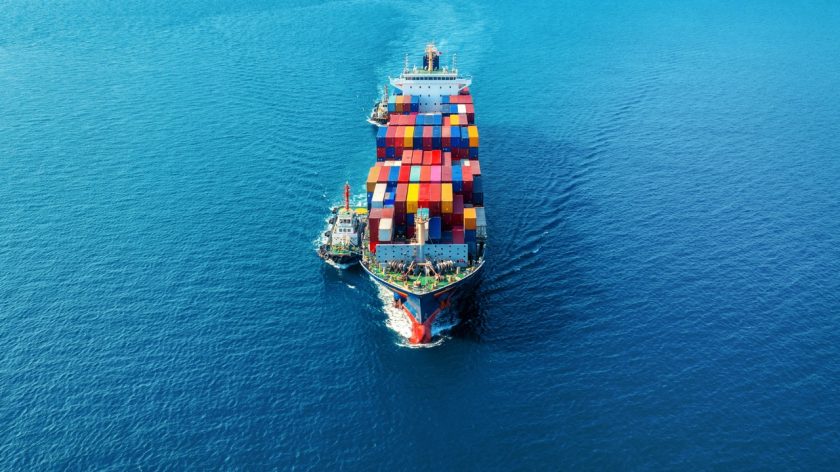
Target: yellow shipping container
469, 218
371, 179
446, 198
408, 137
454, 121
412, 198
472, 132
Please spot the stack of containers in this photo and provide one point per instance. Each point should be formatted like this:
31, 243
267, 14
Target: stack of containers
427, 160
399, 104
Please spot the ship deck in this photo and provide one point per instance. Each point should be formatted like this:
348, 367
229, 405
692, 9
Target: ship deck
420, 284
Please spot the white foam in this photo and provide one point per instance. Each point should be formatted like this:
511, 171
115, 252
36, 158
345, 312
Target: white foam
396, 320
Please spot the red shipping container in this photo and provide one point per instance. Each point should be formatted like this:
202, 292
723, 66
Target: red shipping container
399, 137
436, 157
405, 174
446, 135
398, 150
425, 174
475, 167
380, 152
470, 108
388, 212
457, 235
446, 174
406, 157
399, 203
409, 231
434, 199
427, 158
446, 121
462, 118
417, 157
373, 223
383, 174
423, 200
390, 136
427, 138
467, 177
468, 183
447, 158
373, 246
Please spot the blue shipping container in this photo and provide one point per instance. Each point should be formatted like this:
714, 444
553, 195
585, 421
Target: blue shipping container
434, 227
380, 136
455, 133
457, 179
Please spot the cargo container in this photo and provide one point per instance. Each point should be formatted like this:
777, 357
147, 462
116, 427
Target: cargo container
412, 198
446, 197
434, 228
405, 174
373, 177
414, 176
417, 157
386, 226
425, 174
436, 173
469, 218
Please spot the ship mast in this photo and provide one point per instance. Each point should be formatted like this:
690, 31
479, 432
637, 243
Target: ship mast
347, 196
431, 52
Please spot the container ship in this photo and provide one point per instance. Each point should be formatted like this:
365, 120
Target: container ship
426, 231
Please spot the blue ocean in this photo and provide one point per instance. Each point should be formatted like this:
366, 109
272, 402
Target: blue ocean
662, 289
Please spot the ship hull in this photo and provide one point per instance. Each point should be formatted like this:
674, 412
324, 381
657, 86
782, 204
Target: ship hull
341, 261
422, 309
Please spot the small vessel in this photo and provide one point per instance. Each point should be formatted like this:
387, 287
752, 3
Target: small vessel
379, 114
341, 243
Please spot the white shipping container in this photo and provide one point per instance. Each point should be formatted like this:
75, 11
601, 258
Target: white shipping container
378, 196
386, 226
462, 109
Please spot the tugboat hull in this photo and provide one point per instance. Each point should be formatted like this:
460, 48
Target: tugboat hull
342, 260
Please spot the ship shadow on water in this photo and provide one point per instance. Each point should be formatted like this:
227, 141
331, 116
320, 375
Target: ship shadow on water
467, 315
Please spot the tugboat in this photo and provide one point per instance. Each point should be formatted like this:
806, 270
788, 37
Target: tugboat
341, 244
379, 113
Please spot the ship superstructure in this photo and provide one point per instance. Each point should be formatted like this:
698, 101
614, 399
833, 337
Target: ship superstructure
426, 234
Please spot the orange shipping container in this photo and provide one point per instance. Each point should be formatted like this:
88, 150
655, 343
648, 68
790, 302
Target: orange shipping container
373, 175
446, 198
469, 218
425, 174
473, 134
